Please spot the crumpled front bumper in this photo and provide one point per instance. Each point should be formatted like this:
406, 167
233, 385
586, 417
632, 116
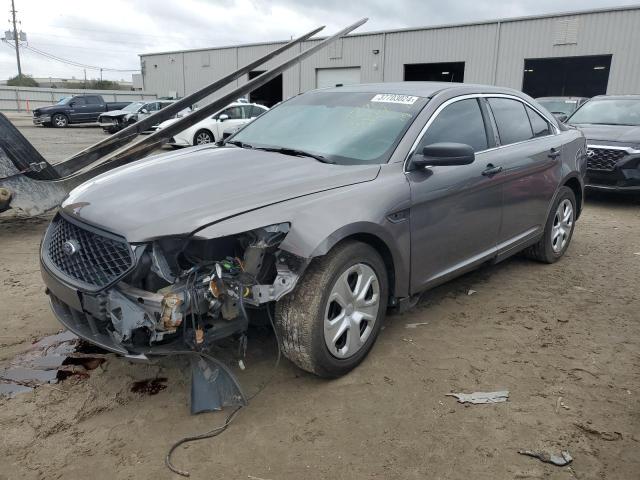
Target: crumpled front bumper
42, 119
66, 304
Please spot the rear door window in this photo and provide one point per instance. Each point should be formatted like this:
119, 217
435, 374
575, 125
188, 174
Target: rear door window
234, 113
94, 100
151, 107
512, 120
540, 126
460, 122
256, 111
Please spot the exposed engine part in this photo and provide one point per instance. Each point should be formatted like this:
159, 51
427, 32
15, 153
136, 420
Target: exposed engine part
197, 290
172, 311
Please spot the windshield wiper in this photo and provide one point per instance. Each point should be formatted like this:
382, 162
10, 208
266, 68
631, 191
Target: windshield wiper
238, 143
296, 153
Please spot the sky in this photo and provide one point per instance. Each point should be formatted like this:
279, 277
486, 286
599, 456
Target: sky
112, 34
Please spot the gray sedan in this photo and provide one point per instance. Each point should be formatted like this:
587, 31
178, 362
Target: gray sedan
324, 212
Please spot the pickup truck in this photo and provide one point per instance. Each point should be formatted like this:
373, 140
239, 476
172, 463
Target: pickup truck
76, 109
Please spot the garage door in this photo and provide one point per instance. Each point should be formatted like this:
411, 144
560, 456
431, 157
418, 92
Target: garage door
333, 77
584, 76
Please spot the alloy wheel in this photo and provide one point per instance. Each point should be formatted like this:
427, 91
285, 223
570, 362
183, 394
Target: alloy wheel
60, 121
562, 225
203, 138
351, 311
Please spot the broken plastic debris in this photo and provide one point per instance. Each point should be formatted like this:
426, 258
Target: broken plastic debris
471, 292
481, 397
415, 325
560, 460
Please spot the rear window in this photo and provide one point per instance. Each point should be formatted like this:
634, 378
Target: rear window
511, 119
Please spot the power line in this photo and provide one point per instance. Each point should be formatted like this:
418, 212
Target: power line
117, 32
73, 62
97, 40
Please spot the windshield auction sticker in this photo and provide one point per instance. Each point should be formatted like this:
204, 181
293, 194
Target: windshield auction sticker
391, 98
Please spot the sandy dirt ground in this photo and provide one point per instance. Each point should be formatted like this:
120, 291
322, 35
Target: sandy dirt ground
569, 330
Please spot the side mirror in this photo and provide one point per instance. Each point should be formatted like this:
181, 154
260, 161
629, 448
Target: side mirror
72, 104
223, 117
144, 110
443, 154
562, 117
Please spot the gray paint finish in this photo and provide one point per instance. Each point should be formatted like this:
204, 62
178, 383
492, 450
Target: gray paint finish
451, 218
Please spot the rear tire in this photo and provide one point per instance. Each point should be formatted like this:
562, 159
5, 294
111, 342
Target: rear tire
558, 229
329, 323
59, 120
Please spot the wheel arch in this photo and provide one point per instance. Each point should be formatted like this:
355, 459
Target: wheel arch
374, 236
576, 186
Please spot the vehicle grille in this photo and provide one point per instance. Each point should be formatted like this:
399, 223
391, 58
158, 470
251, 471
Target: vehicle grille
90, 259
603, 158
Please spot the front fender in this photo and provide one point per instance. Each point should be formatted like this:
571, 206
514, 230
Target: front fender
319, 221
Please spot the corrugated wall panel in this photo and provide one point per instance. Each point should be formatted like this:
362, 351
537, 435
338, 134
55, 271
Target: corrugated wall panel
473, 45
616, 33
163, 73
289, 77
357, 51
220, 63
607, 32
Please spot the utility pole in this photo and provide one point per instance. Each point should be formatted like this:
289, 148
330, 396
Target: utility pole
16, 39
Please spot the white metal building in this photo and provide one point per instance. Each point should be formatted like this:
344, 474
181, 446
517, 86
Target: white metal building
578, 53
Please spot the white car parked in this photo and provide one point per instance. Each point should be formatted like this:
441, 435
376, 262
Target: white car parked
210, 130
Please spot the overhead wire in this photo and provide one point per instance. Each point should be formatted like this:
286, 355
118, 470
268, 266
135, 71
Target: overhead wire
71, 62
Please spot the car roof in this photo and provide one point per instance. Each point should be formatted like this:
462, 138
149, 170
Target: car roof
562, 98
420, 89
617, 97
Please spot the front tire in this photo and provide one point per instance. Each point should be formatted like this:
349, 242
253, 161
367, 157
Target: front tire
558, 229
329, 323
203, 137
59, 120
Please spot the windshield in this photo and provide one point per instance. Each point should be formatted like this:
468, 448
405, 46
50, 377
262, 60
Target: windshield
559, 106
344, 128
608, 112
63, 100
133, 107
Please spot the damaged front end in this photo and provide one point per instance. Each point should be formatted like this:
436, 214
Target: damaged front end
177, 293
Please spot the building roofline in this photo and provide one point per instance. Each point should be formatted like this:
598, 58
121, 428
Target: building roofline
413, 29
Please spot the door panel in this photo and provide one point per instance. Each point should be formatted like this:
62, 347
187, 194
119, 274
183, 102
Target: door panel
455, 219
529, 154
77, 112
456, 210
530, 179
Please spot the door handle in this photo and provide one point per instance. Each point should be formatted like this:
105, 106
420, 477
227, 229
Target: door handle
491, 170
554, 153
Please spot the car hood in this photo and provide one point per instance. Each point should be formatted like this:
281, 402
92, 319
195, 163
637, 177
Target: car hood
611, 133
166, 123
174, 194
114, 113
48, 109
